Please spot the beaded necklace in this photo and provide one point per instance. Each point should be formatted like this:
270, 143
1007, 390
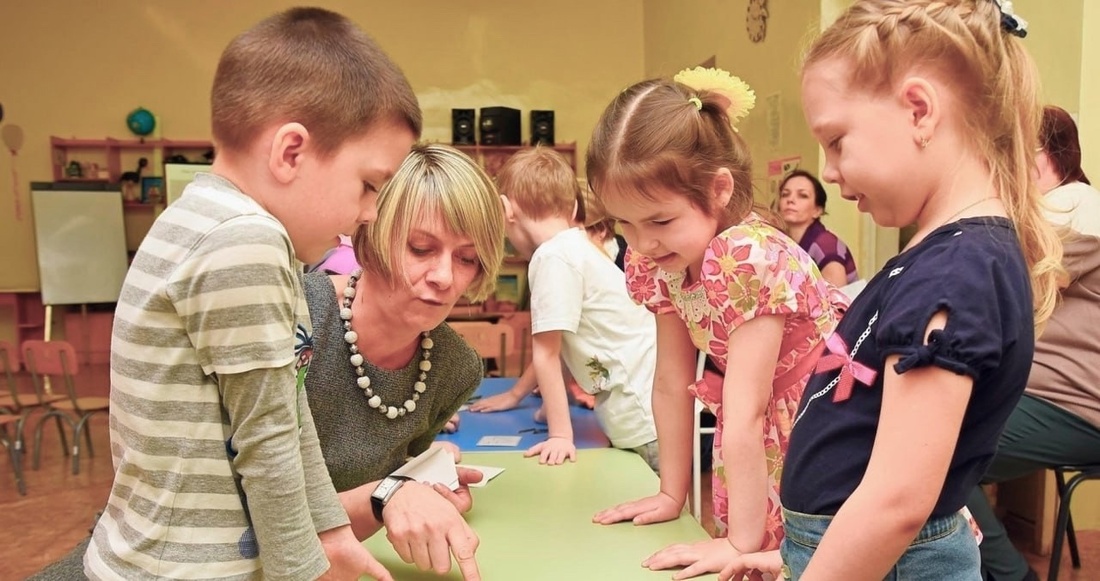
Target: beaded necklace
356, 359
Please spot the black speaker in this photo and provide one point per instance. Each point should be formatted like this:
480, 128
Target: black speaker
462, 126
542, 128
499, 126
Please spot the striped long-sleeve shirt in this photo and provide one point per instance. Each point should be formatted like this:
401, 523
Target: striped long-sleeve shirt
218, 473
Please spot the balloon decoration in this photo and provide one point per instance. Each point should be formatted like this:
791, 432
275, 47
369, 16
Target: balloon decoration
12, 136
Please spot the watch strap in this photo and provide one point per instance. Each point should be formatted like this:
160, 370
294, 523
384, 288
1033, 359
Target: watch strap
380, 498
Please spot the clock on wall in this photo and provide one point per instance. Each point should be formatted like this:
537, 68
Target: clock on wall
756, 20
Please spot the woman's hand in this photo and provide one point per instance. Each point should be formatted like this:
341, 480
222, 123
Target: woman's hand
461, 498
651, 509
497, 403
555, 450
699, 558
425, 528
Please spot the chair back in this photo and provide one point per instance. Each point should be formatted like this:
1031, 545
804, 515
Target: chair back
490, 340
9, 360
55, 359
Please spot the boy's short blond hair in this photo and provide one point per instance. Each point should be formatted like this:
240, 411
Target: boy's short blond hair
541, 183
310, 66
435, 180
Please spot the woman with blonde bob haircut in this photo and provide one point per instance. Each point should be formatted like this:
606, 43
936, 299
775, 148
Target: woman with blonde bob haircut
387, 373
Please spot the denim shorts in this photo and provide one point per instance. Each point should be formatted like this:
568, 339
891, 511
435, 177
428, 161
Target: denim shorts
945, 548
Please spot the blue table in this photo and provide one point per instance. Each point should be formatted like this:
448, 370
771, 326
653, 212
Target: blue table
586, 430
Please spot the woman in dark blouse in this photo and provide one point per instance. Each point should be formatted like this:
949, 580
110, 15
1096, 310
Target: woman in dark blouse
801, 203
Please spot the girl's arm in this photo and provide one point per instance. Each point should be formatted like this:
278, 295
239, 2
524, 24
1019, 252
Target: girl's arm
922, 413
673, 409
674, 406
746, 391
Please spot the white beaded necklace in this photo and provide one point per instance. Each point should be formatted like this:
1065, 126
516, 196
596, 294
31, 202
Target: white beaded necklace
356, 359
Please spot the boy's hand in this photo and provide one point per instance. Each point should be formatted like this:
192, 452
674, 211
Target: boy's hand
423, 525
348, 558
496, 403
651, 509
765, 561
555, 450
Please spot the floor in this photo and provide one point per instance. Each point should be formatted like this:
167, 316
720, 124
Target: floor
59, 507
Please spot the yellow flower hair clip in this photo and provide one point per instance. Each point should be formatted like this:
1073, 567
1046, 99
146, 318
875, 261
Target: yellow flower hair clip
737, 92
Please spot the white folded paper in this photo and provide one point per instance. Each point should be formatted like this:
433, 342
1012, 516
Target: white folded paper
434, 466
488, 473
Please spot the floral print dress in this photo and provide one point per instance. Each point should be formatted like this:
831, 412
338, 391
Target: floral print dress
749, 270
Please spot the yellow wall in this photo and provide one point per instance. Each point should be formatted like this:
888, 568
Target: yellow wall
1089, 116
76, 69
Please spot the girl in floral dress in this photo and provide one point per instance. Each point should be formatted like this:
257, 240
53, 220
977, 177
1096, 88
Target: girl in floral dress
666, 162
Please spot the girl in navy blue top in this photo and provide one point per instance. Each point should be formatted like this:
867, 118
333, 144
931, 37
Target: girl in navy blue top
928, 115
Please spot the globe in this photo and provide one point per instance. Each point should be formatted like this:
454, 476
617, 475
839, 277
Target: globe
141, 121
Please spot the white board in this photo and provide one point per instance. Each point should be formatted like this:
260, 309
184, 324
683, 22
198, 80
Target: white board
81, 242
178, 175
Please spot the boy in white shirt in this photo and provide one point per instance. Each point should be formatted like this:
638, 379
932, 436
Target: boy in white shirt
581, 314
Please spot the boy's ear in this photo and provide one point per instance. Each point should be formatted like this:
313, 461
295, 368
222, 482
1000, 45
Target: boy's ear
288, 145
509, 209
922, 103
721, 188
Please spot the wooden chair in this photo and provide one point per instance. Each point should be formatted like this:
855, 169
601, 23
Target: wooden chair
491, 340
57, 360
19, 403
9, 442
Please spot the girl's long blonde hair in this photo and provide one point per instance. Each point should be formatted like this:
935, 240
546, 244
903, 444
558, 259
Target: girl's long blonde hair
996, 83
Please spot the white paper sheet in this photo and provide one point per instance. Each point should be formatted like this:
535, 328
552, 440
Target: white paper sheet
505, 441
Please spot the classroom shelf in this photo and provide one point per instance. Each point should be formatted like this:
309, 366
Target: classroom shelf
109, 149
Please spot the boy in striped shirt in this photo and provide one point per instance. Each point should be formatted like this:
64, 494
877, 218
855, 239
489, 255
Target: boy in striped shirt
218, 472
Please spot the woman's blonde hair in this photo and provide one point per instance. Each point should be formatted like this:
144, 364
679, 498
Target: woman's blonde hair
963, 44
655, 135
435, 182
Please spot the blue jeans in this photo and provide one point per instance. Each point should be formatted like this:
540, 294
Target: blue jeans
945, 549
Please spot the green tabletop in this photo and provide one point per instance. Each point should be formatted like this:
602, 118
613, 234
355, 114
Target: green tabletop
535, 521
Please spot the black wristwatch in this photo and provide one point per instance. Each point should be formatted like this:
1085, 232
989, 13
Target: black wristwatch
384, 492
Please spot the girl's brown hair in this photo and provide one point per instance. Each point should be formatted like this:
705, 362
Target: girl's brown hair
654, 135
962, 43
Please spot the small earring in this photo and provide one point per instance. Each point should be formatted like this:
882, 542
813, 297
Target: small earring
924, 143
